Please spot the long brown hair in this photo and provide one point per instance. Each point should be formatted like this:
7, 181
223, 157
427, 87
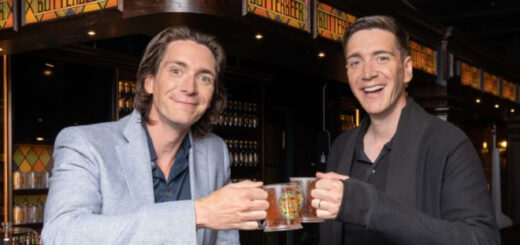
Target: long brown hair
149, 66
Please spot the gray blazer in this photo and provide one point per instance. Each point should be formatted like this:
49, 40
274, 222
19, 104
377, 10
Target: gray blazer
101, 189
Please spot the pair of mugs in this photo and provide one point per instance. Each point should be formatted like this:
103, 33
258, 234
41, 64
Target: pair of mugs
290, 205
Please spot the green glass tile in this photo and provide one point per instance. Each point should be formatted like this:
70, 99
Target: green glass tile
46, 156
18, 156
31, 157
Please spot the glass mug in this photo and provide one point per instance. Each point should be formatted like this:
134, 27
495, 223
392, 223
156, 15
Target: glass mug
305, 185
283, 212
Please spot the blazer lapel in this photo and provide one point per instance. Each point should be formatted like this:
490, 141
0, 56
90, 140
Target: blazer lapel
134, 158
345, 163
199, 175
334, 229
402, 172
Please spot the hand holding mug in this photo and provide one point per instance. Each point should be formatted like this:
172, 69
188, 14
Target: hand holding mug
234, 206
328, 194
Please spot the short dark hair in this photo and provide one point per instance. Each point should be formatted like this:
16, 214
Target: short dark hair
382, 22
149, 65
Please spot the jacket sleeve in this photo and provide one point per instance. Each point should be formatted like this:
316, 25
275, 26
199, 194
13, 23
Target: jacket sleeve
74, 210
466, 215
230, 237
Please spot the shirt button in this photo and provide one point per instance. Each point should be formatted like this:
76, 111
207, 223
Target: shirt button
373, 171
168, 194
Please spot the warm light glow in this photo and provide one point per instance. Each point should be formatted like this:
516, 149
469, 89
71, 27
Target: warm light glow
484, 145
1, 49
259, 36
321, 54
40, 139
503, 144
47, 72
512, 110
477, 101
497, 106
91, 33
49, 65
357, 117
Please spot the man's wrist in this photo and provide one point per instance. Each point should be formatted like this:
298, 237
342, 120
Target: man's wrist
200, 213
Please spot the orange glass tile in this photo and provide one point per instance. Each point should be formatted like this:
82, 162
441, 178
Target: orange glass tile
25, 149
25, 167
38, 150
39, 167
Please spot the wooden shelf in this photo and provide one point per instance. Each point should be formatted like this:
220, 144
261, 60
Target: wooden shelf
30, 225
30, 191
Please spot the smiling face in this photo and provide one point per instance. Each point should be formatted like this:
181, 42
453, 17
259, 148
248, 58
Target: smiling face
376, 71
183, 86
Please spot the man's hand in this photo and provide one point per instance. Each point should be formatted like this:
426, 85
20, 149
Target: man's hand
234, 206
328, 194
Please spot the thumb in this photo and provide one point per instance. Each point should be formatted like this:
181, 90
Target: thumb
331, 175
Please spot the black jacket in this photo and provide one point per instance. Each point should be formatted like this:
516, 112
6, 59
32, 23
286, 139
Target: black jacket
436, 192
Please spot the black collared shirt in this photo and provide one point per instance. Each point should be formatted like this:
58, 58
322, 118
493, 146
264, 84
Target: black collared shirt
177, 187
374, 173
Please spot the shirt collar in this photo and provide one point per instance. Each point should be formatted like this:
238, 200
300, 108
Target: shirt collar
183, 150
362, 131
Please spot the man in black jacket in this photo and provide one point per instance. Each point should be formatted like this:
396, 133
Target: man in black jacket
403, 176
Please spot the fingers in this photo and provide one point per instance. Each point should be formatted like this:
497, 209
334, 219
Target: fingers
248, 184
258, 205
331, 175
325, 209
252, 215
328, 184
327, 196
249, 225
256, 193
325, 214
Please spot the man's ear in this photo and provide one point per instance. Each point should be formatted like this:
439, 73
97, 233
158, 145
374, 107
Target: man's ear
408, 69
148, 84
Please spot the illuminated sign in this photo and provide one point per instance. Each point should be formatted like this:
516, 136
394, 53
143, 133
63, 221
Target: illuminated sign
6, 14
36, 11
331, 23
423, 58
508, 90
293, 13
469, 75
491, 84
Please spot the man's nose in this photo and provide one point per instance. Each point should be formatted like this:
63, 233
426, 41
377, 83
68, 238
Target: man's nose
188, 85
369, 72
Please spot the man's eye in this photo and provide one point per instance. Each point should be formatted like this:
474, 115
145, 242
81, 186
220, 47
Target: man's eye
206, 79
175, 71
354, 64
382, 58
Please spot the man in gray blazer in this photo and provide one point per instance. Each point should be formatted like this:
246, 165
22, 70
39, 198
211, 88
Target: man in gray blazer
157, 176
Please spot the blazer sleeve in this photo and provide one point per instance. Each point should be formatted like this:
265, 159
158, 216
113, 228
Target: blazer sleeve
74, 211
465, 210
231, 236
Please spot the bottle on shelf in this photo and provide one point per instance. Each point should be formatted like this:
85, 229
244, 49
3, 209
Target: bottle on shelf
19, 180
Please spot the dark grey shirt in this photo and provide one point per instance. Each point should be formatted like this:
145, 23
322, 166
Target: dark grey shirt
177, 186
374, 173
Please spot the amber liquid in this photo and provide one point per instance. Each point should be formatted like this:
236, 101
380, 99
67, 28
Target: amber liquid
283, 212
305, 185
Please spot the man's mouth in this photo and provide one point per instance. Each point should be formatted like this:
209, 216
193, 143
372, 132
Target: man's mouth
373, 89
